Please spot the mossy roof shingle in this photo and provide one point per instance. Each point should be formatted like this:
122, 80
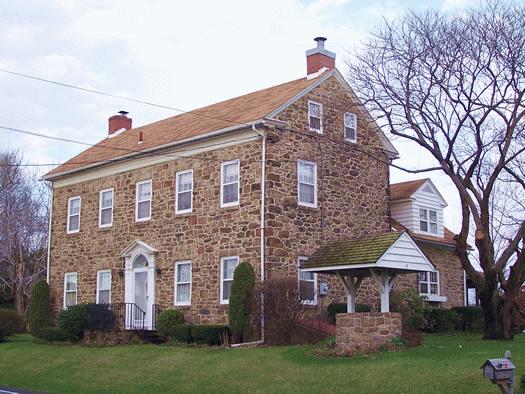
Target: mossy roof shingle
366, 250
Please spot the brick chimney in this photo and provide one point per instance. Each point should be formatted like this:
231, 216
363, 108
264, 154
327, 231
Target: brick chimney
317, 58
119, 122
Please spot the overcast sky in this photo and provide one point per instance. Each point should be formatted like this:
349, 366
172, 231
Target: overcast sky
181, 54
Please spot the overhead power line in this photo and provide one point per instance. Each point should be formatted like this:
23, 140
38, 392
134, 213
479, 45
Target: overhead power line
194, 112
133, 100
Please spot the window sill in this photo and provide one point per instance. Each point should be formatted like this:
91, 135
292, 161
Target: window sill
308, 207
435, 298
72, 233
183, 214
105, 228
142, 222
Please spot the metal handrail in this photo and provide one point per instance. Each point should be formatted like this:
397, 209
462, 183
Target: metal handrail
118, 316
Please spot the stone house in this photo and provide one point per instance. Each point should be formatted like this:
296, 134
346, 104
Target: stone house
160, 215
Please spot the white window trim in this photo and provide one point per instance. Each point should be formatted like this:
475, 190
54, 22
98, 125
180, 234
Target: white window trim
233, 203
306, 302
225, 302
320, 130
69, 215
98, 284
100, 207
429, 296
306, 204
345, 126
177, 264
137, 201
190, 209
428, 221
66, 275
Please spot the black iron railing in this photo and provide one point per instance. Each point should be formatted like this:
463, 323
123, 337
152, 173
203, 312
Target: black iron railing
154, 316
119, 316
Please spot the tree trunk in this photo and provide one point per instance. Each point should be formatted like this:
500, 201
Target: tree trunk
498, 313
19, 279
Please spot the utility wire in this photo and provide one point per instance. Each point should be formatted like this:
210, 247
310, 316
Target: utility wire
133, 100
352, 146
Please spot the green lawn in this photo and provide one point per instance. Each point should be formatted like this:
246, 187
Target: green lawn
443, 364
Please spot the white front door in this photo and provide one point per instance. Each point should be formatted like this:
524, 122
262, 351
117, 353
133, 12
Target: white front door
141, 296
139, 291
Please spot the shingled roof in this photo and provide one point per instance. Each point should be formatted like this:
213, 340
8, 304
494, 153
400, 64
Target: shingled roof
366, 250
447, 239
234, 112
403, 190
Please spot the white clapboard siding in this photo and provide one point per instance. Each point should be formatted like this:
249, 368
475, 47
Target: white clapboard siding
403, 213
407, 212
405, 254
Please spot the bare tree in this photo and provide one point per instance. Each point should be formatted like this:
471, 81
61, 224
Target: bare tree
23, 229
454, 85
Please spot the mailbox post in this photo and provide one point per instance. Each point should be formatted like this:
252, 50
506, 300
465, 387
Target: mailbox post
500, 371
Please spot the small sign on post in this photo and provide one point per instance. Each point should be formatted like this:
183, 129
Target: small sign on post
500, 371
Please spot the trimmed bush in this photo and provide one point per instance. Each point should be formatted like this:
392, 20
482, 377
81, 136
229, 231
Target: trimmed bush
338, 307
38, 309
73, 321
99, 317
10, 323
208, 334
181, 333
441, 320
240, 300
167, 321
54, 334
470, 318
412, 306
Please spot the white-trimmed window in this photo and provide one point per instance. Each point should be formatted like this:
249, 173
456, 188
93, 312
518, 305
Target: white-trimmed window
184, 191
350, 127
143, 203
228, 265
230, 183
315, 116
105, 214
104, 287
429, 283
183, 283
73, 215
70, 289
307, 183
307, 283
428, 220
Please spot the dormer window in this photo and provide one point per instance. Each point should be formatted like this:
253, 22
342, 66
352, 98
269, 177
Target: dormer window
315, 116
428, 220
350, 127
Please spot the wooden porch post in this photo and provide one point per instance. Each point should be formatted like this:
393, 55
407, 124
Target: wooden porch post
385, 282
351, 283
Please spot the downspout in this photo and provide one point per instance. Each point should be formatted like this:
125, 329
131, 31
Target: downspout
49, 235
261, 229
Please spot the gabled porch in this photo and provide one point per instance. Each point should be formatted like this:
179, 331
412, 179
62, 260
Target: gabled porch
382, 257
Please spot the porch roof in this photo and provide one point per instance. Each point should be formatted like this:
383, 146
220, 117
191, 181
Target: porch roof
390, 251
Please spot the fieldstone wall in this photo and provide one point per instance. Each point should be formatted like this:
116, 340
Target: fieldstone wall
203, 236
366, 332
352, 185
352, 190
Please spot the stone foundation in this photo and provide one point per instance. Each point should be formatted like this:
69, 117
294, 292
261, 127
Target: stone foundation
110, 338
366, 332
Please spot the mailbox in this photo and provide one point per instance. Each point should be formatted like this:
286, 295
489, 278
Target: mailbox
323, 288
498, 369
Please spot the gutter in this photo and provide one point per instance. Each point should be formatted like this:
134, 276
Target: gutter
49, 235
49, 177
